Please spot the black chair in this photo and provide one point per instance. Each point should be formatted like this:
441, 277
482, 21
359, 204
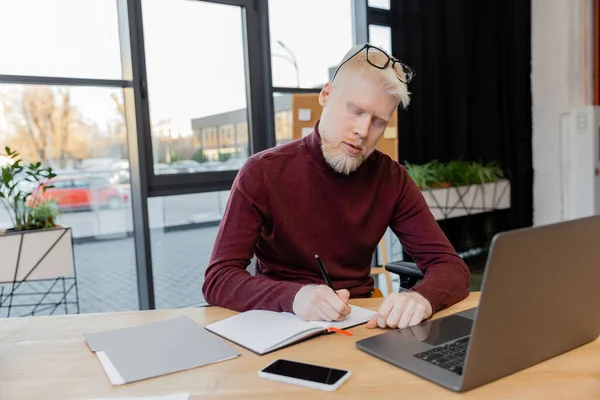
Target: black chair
408, 272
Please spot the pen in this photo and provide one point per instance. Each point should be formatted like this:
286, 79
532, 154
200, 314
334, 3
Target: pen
324, 272
326, 275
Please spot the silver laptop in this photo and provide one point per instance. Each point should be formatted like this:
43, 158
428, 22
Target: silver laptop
539, 298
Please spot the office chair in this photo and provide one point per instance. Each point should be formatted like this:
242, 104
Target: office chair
408, 272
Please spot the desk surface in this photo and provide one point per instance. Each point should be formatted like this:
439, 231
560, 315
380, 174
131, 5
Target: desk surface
47, 357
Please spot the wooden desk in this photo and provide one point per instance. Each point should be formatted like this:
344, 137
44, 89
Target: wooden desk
47, 358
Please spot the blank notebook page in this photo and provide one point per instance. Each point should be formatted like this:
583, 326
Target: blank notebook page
358, 316
260, 330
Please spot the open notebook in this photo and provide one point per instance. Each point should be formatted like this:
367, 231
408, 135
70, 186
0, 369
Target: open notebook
264, 331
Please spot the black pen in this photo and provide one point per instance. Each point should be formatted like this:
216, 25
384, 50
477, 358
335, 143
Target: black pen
324, 272
326, 276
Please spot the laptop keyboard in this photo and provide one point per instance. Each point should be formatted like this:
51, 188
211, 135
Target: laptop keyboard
448, 356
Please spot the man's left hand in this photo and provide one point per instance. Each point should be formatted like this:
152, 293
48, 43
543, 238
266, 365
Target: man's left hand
400, 310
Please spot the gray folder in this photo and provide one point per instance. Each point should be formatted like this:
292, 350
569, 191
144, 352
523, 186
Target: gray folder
160, 348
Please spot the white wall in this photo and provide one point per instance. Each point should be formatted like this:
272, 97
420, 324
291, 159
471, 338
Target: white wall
561, 80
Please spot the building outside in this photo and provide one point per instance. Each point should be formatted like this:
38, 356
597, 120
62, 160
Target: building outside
224, 136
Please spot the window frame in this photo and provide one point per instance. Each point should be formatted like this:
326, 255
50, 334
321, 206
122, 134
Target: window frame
259, 112
261, 116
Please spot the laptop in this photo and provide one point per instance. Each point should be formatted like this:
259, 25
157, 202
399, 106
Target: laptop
539, 298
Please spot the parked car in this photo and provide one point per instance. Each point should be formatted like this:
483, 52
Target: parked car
164, 169
185, 166
83, 192
120, 177
192, 166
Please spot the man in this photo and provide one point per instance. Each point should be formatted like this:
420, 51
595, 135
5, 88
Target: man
332, 194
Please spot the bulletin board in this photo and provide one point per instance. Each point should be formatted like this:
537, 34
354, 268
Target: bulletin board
389, 141
306, 110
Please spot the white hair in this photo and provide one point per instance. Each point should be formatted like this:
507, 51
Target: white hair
387, 76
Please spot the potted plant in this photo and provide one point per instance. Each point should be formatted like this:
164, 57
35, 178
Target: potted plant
35, 247
21, 197
459, 188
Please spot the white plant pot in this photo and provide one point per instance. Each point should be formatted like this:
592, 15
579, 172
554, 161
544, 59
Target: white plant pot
458, 201
436, 200
470, 194
36, 255
496, 195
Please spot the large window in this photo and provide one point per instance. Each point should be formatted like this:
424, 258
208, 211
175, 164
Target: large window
62, 38
183, 233
301, 54
81, 133
147, 109
196, 84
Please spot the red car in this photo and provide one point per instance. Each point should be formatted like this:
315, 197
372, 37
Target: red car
84, 192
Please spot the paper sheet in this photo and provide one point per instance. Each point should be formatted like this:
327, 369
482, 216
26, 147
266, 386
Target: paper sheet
304, 114
113, 375
390, 132
260, 330
358, 316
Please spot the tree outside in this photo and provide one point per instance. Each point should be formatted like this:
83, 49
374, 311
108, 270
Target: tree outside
44, 124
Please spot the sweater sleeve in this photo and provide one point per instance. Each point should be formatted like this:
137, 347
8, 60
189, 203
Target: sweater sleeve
226, 281
446, 276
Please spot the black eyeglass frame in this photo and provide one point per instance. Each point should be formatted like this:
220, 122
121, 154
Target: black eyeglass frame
408, 71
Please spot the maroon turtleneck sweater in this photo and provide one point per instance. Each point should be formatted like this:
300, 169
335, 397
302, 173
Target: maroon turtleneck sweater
287, 205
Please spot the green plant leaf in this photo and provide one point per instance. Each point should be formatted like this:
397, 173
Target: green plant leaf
20, 211
423, 175
453, 173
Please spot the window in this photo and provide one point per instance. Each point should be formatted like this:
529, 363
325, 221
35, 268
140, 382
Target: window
241, 133
288, 128
209, 144
283, 126
383, 4
72, 129
61, 38
226, 139
381, 36
80, 184
189, 84
100, 183
84, 139
195, 83
183, 230
62, 183
302, 56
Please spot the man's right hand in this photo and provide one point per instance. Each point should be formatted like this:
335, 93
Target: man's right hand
321, 303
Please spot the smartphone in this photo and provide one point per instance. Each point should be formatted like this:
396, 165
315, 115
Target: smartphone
309, 375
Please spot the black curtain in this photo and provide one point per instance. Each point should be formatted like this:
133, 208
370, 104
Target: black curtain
471, 97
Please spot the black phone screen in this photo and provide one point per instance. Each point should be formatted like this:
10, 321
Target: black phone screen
308, 372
